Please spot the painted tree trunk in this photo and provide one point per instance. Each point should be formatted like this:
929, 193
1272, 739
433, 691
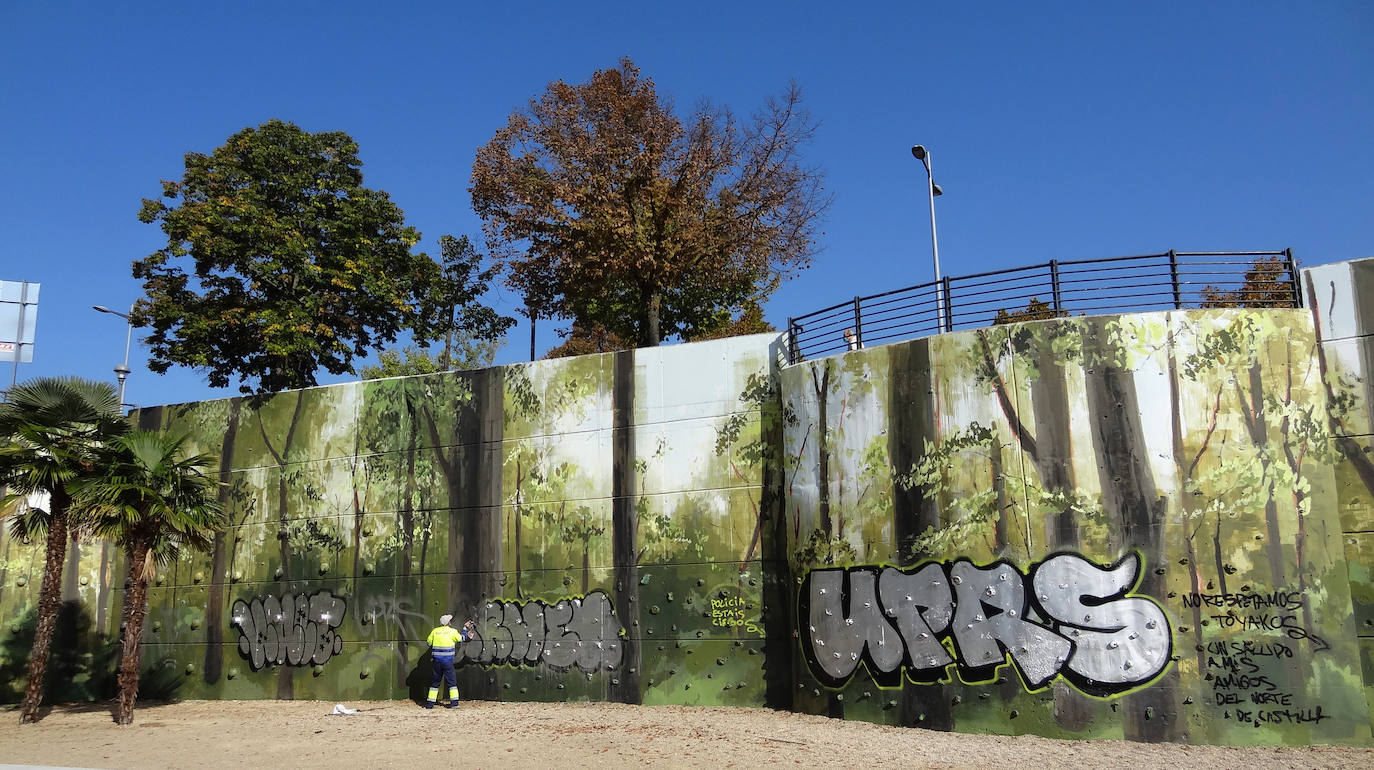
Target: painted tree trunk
1054, 463
49, 604
5, 555
821, 384
517, 515
285, 681
136, 610
481, 472
214, 610
1054, 456
407, 533
625, 529
913, 423
69, 642
778, 623
285, 677
358, 516
102, 591
1259, 435
1189, 508
1134, 508
1009, 687
71, 574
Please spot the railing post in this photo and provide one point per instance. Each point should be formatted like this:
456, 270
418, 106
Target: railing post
1295, 276
792, 330
949, 307
1054, 285
858, 324
1173, 278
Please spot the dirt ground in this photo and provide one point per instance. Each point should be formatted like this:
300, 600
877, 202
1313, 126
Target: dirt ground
211, 734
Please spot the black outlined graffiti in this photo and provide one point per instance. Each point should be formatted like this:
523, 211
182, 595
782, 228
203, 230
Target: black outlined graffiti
1079, 622
572, 632
294, 630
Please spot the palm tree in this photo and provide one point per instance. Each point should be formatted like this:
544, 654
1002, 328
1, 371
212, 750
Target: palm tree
50, 429
152, 500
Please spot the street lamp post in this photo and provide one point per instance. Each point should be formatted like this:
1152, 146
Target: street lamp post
922, 154
121, 371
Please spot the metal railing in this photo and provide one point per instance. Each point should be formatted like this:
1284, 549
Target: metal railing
1171, 281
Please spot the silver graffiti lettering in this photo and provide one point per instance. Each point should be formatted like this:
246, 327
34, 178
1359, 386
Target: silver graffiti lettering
843, 636
295, 630
1080, 623
581, 632
921, 606
989, 617
1121, 640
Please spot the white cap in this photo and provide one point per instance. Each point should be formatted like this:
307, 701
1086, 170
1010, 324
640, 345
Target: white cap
445, 619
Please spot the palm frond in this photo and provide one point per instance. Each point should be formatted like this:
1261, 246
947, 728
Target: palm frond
152, 493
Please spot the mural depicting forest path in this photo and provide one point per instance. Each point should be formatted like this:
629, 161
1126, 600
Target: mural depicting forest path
1142, 526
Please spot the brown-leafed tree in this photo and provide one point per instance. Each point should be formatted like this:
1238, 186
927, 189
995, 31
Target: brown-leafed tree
1267, 283
610, 208
587, 338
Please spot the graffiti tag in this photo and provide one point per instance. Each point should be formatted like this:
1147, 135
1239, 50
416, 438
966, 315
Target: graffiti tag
377, 620
295, 630
727, 611
1079, 621
582, 632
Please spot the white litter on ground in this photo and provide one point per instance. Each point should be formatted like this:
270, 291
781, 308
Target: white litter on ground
340, 708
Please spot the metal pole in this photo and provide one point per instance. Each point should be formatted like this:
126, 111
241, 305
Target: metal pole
858, 324
1173, 278
949, 304
19, 335
123, 371
1294, 276
1054, 285
533, 318
934, 241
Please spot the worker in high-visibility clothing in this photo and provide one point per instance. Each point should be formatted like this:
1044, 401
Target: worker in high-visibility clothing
443, 646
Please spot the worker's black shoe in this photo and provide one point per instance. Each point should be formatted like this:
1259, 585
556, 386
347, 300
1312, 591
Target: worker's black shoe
428, 704
453, 704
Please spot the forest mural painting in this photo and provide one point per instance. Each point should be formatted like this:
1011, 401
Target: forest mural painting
1133, 527
587, 513
1185, 460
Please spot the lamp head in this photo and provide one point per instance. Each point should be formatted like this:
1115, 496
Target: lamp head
936, 188
103, 309
918, 151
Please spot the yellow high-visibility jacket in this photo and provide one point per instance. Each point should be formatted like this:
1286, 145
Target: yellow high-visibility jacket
443, 642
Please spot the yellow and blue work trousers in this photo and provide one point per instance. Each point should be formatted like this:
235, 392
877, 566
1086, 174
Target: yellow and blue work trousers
443, 642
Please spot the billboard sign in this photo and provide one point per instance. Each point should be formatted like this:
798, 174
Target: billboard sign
18, 320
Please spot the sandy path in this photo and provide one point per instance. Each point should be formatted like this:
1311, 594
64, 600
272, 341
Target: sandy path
211, 734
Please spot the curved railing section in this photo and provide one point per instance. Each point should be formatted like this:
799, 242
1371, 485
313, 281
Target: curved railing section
1174, 280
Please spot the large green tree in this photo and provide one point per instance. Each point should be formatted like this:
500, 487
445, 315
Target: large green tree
153, 499
50, 431
606, 207
280, 262
471, 331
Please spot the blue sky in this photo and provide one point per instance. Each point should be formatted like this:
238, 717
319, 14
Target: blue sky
1058, 130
